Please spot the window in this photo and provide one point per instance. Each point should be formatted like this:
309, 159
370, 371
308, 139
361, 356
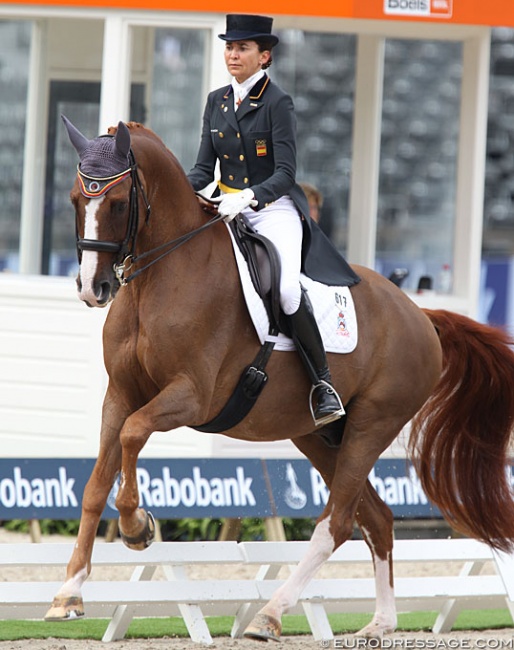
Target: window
318, 71
177, 95
14, 68
420, 131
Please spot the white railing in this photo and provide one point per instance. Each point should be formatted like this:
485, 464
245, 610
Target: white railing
256, 566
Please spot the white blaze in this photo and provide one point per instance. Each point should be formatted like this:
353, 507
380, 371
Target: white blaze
89, 260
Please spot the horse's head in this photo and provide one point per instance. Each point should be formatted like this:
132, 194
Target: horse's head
105, 197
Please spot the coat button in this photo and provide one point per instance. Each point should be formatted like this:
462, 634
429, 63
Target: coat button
225, 155
238, 135
231, 177
222, 135
241, 157
245, 179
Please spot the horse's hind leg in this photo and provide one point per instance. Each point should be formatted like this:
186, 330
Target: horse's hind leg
332, 529
267, 622
375, 521
345, 472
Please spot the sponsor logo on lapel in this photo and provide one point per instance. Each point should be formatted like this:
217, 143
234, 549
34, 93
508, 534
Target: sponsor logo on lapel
261, 148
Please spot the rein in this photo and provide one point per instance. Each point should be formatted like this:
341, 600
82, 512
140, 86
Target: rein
127, 247
130, 260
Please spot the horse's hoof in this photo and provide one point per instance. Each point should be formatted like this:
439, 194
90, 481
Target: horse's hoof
375, 631
65, 609
264, 628
145, 537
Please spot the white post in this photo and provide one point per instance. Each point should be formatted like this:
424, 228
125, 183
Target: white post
116, 66
218, 75
471, 169
34, 154
362, 223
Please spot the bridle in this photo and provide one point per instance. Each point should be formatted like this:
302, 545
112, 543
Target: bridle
94, 187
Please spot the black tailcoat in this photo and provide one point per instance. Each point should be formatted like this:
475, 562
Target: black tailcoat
256, 148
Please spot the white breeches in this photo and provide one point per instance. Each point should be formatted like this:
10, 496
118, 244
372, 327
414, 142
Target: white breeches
281, 224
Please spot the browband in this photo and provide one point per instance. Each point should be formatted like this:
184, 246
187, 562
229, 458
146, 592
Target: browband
92, 187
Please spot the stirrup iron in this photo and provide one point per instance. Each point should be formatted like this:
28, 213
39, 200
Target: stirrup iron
331, 417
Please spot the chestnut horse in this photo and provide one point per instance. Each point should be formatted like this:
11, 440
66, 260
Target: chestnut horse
176, 340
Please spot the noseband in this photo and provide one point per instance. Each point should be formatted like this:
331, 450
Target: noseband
95, 187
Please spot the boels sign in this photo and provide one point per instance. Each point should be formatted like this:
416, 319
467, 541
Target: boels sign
172, 489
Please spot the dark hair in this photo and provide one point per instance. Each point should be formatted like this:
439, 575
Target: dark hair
265, 45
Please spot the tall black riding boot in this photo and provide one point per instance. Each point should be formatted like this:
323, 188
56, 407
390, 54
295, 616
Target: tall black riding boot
328, 405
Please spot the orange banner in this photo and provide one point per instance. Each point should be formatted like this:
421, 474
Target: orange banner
471, 12
499, 13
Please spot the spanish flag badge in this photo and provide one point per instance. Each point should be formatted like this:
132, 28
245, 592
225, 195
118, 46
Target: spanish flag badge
260, 148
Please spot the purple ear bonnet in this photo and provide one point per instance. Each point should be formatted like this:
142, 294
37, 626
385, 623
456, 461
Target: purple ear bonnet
102, 157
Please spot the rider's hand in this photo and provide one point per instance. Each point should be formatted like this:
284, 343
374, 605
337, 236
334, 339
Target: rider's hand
235, 202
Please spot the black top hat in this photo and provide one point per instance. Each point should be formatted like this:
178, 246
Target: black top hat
243, 27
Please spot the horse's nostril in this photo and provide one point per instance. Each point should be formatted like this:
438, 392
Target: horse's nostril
105, 291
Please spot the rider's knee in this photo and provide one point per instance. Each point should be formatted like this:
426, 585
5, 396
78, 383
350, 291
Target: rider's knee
290, 300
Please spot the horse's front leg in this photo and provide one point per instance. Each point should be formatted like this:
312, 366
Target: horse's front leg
136, 526
68, 602
169, 409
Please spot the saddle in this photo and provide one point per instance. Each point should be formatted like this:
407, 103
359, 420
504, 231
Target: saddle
264, 266
263, 263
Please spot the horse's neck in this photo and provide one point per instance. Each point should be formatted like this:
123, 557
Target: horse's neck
176, 214
174, 207
175, 210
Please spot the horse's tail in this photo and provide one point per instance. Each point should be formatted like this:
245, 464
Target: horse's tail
460, 438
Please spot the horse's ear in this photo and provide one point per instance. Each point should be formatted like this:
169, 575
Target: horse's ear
79, 141
123, 139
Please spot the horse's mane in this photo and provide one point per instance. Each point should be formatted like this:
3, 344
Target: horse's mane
137, 129
139, 132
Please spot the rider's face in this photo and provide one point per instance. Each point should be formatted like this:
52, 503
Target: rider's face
243, 59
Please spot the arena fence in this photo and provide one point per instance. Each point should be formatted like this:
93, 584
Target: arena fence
168, 579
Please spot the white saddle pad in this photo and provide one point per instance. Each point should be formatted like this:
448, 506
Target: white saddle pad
333, 307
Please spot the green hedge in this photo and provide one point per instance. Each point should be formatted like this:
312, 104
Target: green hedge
179, 529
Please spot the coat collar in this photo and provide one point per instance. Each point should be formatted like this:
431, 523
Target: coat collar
251, 102
255, 93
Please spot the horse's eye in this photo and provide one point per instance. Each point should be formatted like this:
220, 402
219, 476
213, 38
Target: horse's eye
118, 208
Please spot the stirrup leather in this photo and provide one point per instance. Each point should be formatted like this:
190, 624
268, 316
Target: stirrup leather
335, 415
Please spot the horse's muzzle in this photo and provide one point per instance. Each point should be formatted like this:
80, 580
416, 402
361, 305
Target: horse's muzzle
100, 292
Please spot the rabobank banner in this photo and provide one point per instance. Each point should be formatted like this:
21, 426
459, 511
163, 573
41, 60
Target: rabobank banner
188, 487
